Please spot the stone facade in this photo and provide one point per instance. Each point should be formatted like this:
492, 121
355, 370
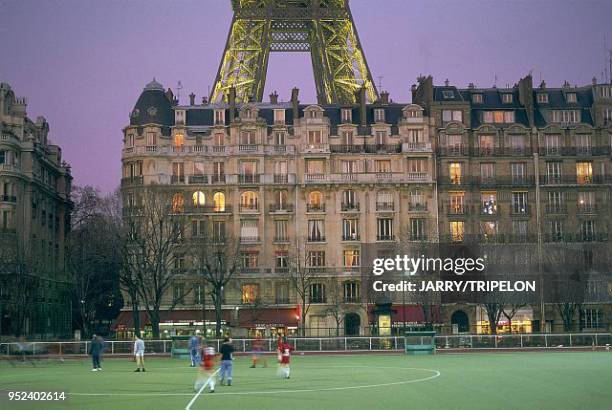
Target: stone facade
35, 211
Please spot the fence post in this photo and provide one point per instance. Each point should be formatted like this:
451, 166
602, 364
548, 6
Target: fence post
596, 344
112, 347
395, 342
370, 342
521, 336
345, 348
320, 345
545, 340
570, 336
270, 345
86, 349
33, 348
243, 345
60, 348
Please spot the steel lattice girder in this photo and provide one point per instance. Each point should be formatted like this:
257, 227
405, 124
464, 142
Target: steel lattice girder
323, 27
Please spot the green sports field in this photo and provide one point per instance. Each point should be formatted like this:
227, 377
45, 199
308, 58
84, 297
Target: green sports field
529, 380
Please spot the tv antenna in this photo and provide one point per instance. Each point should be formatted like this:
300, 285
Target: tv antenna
179, 87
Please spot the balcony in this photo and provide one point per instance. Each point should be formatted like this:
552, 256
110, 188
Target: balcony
520, 210
280, 149
417, 207
281, 208
501, 151
351, 237
219, 149
365, 148
315, 149
177, 179
416, 147
208, 209
249, 148
249, 178
385, 238
385, 206
586, 208
552, 208
281, 239
315, 208
131, 181
249, 239
249, 208
456, 210
315, 239
315, 178
575, 179
350, 207
8, 198
453, 151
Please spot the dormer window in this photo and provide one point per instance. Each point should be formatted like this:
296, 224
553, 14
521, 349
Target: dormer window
347, 115
179, 117
219, 117
571, 97
279, 116
507, 98
542, 98
379, 115
247, 113
414, 113
448, 94
312, 114
477, 98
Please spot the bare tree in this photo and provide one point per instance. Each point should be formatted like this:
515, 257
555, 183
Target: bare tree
16, 282
155, 250
215, 257
93, 259
301, 276
336, 305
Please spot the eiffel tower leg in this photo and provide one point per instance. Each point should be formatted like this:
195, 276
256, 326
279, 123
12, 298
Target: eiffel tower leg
245, 61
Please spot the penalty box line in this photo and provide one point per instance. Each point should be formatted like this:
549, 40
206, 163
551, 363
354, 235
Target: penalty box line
201, 390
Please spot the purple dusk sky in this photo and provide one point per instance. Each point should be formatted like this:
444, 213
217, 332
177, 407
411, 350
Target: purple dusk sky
83, 63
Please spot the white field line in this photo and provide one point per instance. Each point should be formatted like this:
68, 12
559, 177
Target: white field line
435, 375
201, 390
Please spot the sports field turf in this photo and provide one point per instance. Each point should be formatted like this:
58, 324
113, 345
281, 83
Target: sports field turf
544, 380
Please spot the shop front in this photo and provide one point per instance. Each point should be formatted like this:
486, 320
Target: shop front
520, 322
266, 322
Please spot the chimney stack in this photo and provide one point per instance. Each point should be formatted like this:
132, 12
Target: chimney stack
295, 103
362, 106
274, 98
204, 100
192, 99
384, 97
232, 103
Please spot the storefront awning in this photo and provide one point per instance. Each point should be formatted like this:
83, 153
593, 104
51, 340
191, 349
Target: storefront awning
126, 318
267, 317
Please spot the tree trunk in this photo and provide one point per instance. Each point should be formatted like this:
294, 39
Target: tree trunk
136, 316
154, 317
218, 317
303, 319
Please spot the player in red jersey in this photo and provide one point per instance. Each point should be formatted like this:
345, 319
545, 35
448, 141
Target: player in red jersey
206, 373
284, 369
279, 347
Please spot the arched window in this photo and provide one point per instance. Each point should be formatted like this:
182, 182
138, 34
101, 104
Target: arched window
249, 201
178, 203
219, 202
315, 201
199, 199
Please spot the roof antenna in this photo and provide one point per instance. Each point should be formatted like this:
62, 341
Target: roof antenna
380, 77
179, 87
495, 81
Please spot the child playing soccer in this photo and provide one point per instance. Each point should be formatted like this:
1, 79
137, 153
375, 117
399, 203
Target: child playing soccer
284, 369
206, 373
257, 353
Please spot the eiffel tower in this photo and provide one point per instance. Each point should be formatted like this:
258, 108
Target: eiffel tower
325, 28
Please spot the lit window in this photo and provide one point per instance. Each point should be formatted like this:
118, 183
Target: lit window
457, 231
315, 201
279, 116
542, 98
179, 140
351, 258
249, 201
489, 203
507, 98
455, 172
199, 198
250, 293
584, 172
571, 97
379, 115
219, 202
178, 203
477, 98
